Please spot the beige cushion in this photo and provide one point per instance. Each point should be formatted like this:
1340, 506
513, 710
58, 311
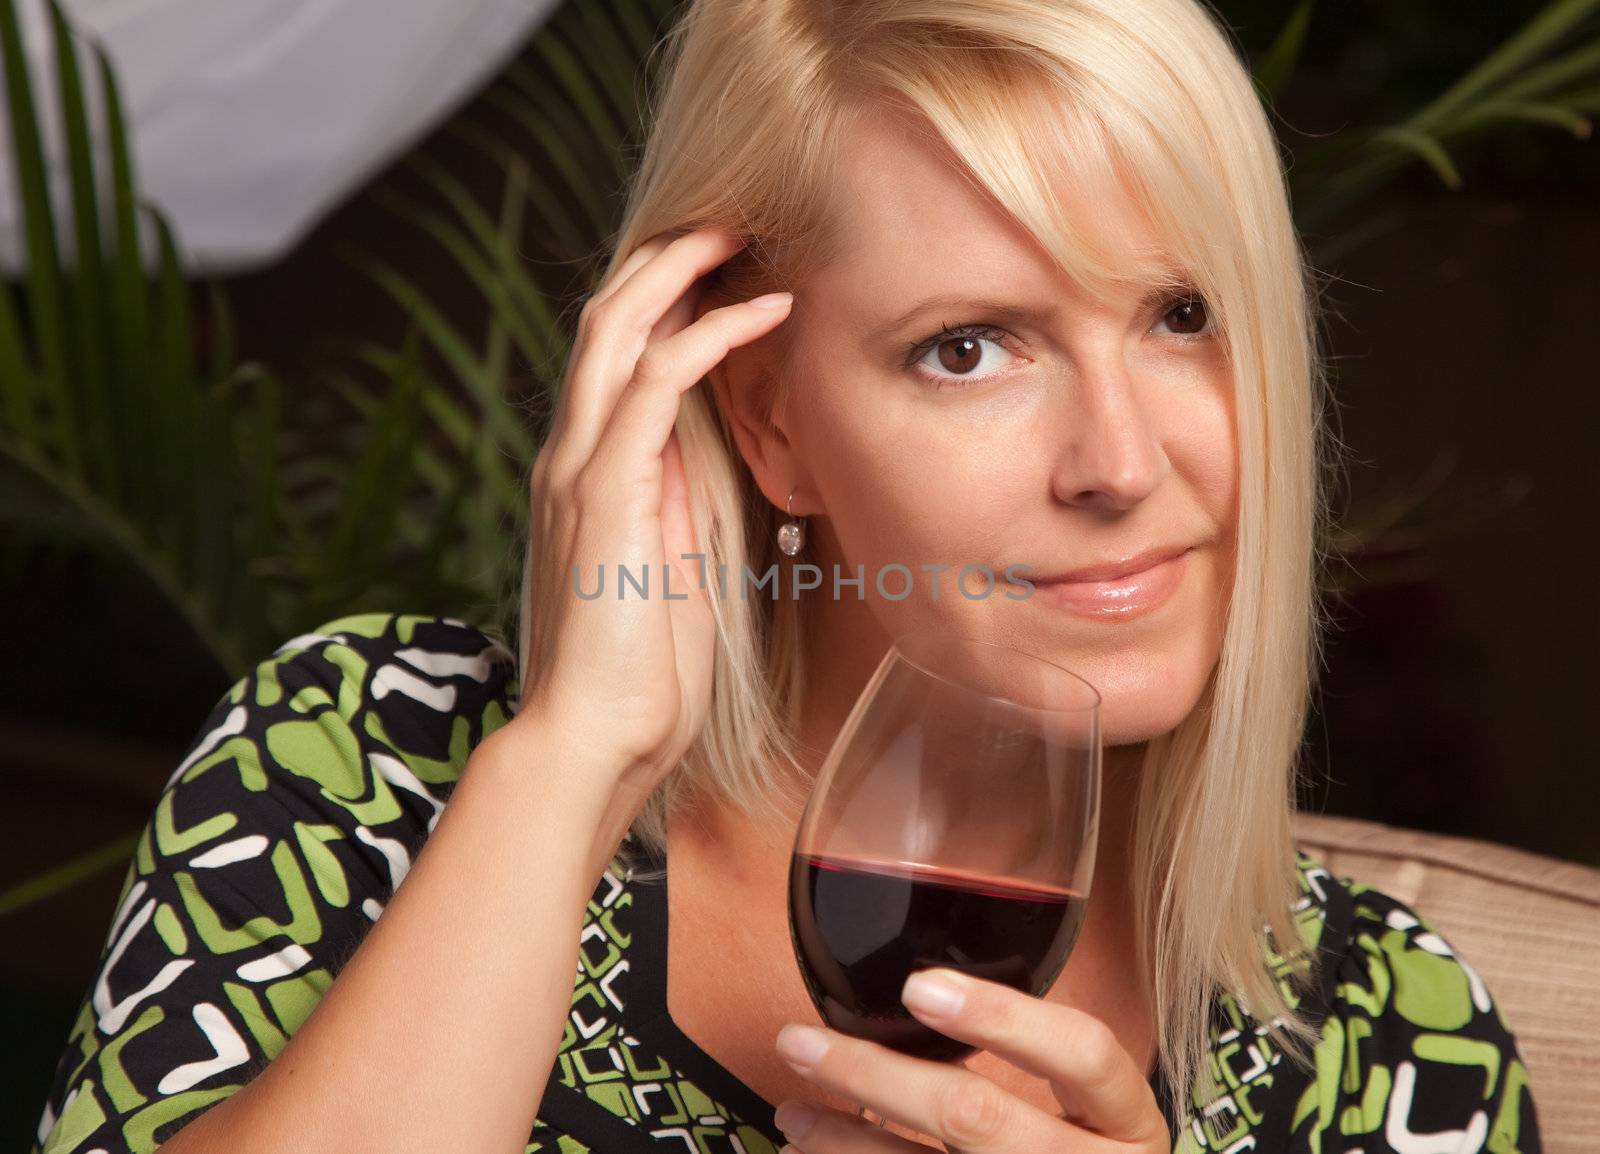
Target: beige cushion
1530, 926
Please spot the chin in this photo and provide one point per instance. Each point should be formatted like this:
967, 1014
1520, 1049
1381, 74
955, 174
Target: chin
1138, 732
1136, 707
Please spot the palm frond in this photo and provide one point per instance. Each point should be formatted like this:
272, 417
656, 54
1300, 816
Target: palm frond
110, 399
1278, 63
1520, 83
46, 308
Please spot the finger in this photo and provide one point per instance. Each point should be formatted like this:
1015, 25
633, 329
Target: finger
814, 1127
648, 409
615, 331
961, 1108
1075, 1051
613, 280
677, 520
642, 255
632, 262
674, 320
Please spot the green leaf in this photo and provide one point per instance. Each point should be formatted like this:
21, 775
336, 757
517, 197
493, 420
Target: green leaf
37, 508
662, 9
1544, 80
460, 427
111, 526
1329, 176
68, 874
212, 487
477, 266
579, 89
1279, 62
1424, 146
1533, 113
1585, 101
567, 238
176, 409
457, 354
425, 465
19, 391
448, 517
559, 151
43, 279
88, 277
639, 26
220, 346
1537, 36
618, 67
361, 540
130, 314
502, 245
257, 432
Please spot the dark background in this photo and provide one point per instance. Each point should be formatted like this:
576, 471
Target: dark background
1454, 693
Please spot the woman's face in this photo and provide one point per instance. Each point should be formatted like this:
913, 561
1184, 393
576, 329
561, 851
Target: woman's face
1060, 431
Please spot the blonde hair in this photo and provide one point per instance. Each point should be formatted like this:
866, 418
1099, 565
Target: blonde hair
1026, 95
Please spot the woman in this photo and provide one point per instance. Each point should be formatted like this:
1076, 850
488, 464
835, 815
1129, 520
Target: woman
1039, 300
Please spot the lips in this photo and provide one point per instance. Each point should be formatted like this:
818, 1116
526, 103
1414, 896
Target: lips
1116, 569
1147, 581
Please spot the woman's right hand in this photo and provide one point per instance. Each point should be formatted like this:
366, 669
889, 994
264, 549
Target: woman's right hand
629, 680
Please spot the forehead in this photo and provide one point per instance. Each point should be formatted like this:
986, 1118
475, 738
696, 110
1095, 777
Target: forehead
907, 214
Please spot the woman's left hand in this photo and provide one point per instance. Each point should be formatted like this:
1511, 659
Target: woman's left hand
1107, 1105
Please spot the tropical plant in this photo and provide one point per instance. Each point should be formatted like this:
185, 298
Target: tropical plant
103, 400
1536, 78
135, 419
131, 427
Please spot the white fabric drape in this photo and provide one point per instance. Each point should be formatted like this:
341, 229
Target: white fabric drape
250, 119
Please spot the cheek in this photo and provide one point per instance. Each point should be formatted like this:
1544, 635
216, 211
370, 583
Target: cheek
921, 481
1191, 399
1208, 446
1213, 457
1210, 457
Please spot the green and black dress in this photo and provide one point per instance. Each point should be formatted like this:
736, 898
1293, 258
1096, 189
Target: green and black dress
313, 784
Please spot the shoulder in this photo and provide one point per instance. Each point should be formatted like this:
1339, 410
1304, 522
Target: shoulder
414, 688
364, 725
430, 665
357, 730
1414, 1052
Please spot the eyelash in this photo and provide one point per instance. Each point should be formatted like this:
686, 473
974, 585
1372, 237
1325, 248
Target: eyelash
949, 332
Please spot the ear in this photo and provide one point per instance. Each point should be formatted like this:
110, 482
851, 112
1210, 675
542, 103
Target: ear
743, 384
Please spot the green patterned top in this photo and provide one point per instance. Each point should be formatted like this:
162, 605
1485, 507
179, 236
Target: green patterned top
317, 777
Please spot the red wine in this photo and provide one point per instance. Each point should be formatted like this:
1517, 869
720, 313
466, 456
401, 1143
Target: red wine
860, 928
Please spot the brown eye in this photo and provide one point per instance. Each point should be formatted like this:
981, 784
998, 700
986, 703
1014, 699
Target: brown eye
959, 351
1189, 316
960, 354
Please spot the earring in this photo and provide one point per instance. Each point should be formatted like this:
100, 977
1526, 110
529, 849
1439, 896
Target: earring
792, 533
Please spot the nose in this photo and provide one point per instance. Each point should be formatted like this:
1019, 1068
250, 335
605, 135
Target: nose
1110, 455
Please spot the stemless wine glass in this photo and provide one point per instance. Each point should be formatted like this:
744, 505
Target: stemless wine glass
953, 823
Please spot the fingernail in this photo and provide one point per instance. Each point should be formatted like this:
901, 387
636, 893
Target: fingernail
794, 1119
932, 995
772, 300
802, 1046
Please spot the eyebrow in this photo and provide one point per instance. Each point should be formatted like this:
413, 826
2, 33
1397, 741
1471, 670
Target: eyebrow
998, 308
991, 306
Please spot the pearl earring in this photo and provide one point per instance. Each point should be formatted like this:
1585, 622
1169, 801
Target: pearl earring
792, 533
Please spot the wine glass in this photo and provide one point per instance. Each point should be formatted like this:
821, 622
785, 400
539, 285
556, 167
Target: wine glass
953, 823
